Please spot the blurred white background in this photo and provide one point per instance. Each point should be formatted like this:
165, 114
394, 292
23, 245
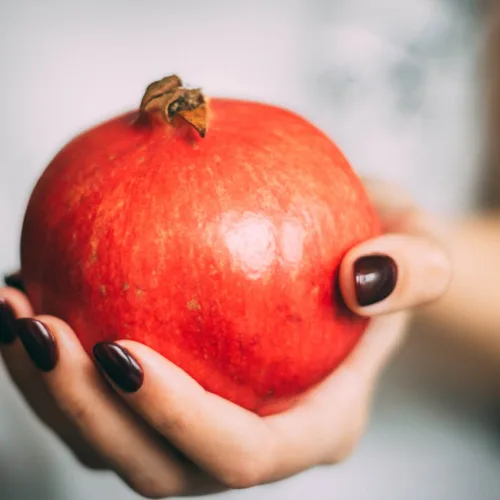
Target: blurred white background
392, 81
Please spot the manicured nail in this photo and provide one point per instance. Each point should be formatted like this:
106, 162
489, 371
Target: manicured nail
7, 319
15, 281
39, 343
375, 278
119, 365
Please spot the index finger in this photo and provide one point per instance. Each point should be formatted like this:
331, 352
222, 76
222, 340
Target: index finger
236, 446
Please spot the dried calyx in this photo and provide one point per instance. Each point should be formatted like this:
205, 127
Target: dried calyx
167, 98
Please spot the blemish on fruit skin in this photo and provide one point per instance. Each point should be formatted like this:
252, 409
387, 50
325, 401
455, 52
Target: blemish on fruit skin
111, 157
139, 292
212, 270
102, 290
293, 318
125, 287
141, 160
93, 251
93, 257
193, 305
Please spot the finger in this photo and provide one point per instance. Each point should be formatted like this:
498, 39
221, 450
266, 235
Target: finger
25, 376
134, 451
17, 301
13, 304
393, 272
15, 280
335, 412
236, 446
229, 442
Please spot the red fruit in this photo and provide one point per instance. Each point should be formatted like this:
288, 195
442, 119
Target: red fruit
221, 253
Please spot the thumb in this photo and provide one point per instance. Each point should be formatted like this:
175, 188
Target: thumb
405, 268
393, 272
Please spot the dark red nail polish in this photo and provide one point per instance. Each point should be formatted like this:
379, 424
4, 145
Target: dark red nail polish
15, 281
375, 278
119, 365
7, 320
38, 342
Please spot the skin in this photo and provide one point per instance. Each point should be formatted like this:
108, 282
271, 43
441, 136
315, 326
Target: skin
467, 315
137, 435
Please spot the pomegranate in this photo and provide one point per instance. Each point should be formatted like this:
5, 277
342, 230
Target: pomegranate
211, 231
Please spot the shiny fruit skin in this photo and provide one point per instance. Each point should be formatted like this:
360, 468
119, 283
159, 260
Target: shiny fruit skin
220, 253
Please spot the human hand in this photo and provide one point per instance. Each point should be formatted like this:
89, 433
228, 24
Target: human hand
166, 436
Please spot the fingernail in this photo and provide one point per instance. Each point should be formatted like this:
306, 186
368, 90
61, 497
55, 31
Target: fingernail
375, 278
119, 365
15, 281
7, 319
39, 343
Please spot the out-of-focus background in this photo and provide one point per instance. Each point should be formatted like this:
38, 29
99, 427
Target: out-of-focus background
394, 82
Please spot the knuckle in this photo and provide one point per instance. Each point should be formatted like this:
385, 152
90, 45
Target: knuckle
386, 194
431, 278
148, 487
347, 442
407, 220
245, 473
76, 410
440, 272
82, 451
346, 448
343, 450
423, 224
90, 462
172, 424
